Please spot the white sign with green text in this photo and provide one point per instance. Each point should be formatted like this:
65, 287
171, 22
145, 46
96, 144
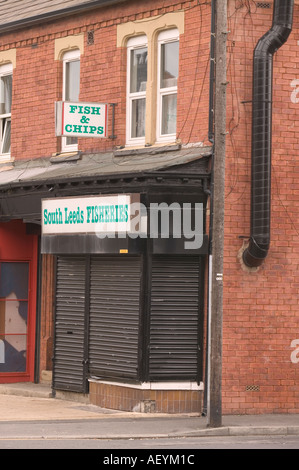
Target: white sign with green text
88, 214
81, 119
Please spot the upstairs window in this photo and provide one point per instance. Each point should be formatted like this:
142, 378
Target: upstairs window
152, 110
71, 90
5, 108
168, 72
136, 89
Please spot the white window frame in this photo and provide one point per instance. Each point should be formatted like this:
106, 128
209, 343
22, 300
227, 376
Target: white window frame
138, 42
6, 69
69, 56
164, 37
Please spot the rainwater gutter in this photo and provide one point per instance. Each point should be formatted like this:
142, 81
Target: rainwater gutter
259, 242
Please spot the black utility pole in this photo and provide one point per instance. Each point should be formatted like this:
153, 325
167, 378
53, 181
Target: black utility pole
215, 359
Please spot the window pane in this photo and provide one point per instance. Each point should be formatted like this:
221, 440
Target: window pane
72, 80
138, 70
138, 118
71, 140
13, 334
169, 114
72, 88
5, 94
13, 316
169, 64
14, 278
13, 359
6, 136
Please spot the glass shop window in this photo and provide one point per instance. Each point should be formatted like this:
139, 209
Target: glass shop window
14, 278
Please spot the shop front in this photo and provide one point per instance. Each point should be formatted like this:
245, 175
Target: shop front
130, 251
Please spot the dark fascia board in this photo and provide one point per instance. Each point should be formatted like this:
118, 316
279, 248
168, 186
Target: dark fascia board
56, 14
160, 176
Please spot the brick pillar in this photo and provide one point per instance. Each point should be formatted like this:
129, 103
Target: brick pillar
47, 314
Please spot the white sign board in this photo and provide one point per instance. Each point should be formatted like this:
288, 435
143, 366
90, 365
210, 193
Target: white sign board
81, 119
88, 214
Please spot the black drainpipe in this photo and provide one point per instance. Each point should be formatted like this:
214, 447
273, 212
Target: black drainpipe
259, 242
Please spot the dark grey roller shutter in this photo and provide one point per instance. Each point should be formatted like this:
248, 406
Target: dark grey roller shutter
68, 373
114, 316
174, 318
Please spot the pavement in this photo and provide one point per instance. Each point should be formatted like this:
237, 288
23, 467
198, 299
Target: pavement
24, 403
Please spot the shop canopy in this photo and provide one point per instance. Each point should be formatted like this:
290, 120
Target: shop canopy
23, 184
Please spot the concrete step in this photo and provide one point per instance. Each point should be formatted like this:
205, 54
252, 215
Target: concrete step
41, 390
27, 389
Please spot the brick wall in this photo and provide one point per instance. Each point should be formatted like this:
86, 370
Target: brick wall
126, 398
47, 313
38, 77
261, 308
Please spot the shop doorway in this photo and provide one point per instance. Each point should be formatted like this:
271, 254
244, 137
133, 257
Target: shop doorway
18, 291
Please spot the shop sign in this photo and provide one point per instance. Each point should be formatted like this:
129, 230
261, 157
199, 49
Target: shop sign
81, 119
123, 215
88, 214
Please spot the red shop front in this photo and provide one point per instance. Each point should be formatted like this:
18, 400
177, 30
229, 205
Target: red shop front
18, 292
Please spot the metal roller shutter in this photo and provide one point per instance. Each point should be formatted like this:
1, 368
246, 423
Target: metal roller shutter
68, 372
114, 316
174, 318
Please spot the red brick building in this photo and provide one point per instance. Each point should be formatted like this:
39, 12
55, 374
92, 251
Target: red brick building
125, 319
260, 320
